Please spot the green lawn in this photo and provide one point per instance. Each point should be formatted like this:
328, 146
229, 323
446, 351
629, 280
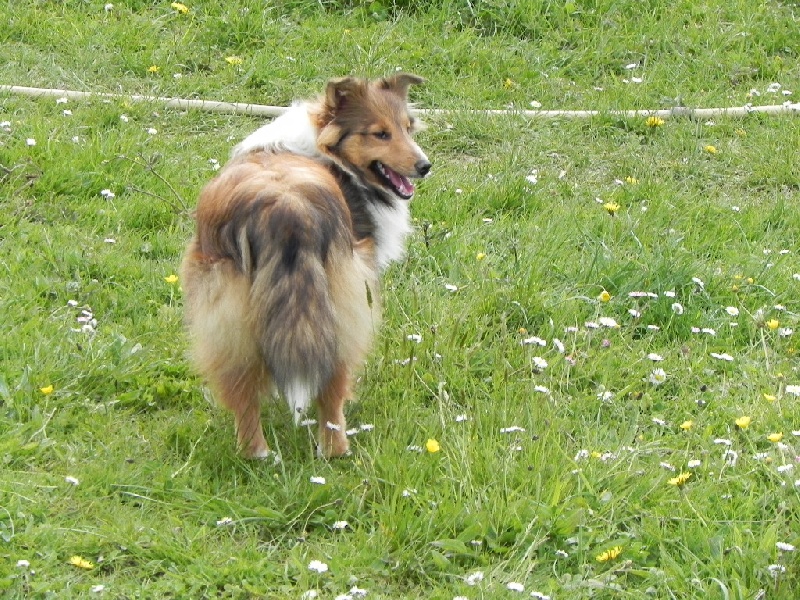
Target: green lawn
588, 441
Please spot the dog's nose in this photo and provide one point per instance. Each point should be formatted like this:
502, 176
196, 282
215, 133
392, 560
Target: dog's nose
423, 167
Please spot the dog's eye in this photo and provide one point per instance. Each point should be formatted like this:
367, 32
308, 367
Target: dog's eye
383, 135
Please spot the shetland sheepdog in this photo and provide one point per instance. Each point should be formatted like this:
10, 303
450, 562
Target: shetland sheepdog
281, 279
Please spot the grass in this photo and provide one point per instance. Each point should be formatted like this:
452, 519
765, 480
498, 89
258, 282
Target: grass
542, 471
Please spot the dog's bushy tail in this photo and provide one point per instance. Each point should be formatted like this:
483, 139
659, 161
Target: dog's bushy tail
293, 310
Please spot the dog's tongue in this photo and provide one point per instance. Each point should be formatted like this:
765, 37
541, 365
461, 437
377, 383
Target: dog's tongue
402, 184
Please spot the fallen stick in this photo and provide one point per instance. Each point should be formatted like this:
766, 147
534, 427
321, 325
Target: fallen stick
241, 108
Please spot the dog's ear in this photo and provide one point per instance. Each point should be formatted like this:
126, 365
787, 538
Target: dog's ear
400, 83
340, 91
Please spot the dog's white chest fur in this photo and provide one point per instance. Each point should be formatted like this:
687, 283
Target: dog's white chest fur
294, 132
392, 226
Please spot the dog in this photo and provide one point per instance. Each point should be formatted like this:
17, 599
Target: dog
281, 279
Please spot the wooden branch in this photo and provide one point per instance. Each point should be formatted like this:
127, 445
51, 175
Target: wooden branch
241, 108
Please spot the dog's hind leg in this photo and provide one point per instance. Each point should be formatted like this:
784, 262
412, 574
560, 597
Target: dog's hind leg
330, 406
239, 392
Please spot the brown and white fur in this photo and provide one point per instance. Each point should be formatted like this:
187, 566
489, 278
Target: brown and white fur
281, 278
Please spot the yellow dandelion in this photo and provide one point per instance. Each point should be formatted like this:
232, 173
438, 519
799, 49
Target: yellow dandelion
750, 280
631, 180
480, 256
47, 390
611, 207
523, 331
508, 83
609, 554
596, 454
178, 7
80, 562
769, 398
153, 69
680, 480
772, 324
234, 60
604, 296
743, 422
432, 446
775, 437
654, 122
710, 149
171, 278
687, 425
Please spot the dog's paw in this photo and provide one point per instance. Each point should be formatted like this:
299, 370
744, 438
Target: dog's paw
342, 454
265, 454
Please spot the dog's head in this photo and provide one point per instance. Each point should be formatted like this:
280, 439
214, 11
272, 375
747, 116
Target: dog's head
366, 126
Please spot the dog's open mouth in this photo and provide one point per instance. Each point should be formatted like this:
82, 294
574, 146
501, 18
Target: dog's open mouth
399, 184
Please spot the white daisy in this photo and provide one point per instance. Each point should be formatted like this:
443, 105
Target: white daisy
318, 566
657, 377
776, 570
512, 429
